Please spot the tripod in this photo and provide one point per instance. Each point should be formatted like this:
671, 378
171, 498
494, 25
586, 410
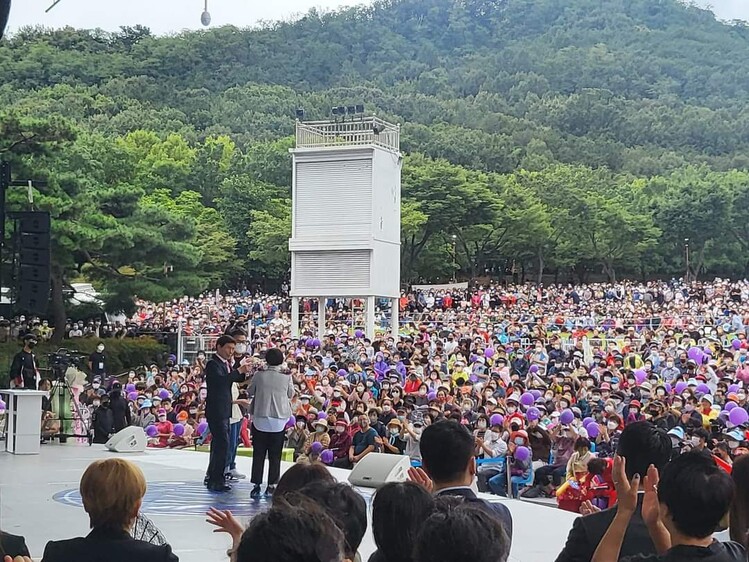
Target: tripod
62, 392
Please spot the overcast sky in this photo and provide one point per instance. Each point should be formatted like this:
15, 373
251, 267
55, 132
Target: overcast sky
164, 16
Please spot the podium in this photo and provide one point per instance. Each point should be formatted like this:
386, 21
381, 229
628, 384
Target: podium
23, 425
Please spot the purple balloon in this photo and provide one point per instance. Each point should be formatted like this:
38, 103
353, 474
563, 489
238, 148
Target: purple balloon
680, 387
533, 413
702, 388
322, 416
489, 352
129, 387
202, 426
522, 453
667, 386
327, 456
733, 388
151, 431
533, 369
730, 405
536, 393
3, 406
316, 448
707, 351
496, 419
640, 375
133, 396
593, 430
695, 354
342, 372
179, 430
163, 393
432, 396
736, 344
472, 358
566, 416
588, 420
359, 333
738, 416
290, 422
527, 399
316, 342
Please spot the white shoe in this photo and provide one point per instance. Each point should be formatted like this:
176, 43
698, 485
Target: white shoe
235, 474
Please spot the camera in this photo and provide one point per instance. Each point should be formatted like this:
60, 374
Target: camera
62, 359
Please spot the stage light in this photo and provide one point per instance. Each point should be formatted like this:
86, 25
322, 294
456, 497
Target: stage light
300, 113
360, 108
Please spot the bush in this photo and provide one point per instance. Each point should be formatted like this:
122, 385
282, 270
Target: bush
121, 355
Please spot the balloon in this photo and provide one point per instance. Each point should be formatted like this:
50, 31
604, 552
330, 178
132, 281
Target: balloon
566, 416
327, 456
588, 420
316, 448
527, 399
707, 351
290, 422
730, 405
316, 342
533, 369
342, 372
738, 416
640, 375
593, 430
129, 387
702, 388
522, 453
179, 430
733, 388
432, 396
2, 406
359, 334
496, 419
667, 386
310, 343
202, 426
489, 352
473, 378
680, 387
151, 431
533, 413
322, 416
133, 396
536, 393
695, 354
163, 393
736, 344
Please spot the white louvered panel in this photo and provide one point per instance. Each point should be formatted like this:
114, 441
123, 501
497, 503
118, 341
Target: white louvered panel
332, 270
333, 197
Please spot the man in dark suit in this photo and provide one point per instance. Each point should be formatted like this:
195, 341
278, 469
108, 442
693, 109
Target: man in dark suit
13, 545
641, 444
220, 374
449, 468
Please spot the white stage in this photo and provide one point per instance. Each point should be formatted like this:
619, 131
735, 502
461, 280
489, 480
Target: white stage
38, 499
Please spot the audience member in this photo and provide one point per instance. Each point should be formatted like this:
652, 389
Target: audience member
739, 519
112, 491
299, 475
398, 511
12, 545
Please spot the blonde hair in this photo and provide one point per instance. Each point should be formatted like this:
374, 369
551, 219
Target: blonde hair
111, 490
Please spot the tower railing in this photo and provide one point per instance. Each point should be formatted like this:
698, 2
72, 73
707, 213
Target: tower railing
357, 132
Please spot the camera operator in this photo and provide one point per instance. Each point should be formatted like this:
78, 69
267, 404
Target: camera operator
23, 371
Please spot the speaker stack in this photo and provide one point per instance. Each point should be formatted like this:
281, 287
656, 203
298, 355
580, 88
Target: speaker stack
34, 257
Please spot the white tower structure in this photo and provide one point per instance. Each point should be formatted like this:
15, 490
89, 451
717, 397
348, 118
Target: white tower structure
345, 225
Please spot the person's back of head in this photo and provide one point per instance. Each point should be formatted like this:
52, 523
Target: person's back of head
296, 529
299, 475
458, 530
345, 506
112, 491
739, 520
447, 450
643, 444
274, 357
398, 511
696, 494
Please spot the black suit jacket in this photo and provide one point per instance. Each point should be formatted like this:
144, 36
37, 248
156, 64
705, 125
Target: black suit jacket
588, 531
13, 545
106, 545
219, 379
498, 510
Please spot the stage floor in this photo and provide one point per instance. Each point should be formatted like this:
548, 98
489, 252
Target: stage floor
39, 500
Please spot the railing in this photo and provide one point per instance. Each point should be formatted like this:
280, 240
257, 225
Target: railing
358, 132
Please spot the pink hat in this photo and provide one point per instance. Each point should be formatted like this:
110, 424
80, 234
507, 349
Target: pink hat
161, 412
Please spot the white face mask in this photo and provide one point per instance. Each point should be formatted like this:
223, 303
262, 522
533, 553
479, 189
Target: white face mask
422, 392
96, 403
99, 348
733, 444
300, 424
481, 425
240, 349
511, 409
634, 411
695, 441
386, 409
360, 389
340, 429
519, 441
612, 425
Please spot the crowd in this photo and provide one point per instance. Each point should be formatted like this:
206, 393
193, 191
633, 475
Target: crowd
545, 380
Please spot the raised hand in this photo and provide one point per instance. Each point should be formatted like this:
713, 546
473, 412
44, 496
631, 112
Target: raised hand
651, 512
587, 508
626, 490
225, 523
420, 477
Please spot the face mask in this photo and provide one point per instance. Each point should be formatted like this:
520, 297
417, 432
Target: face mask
511, 409
612, 425
162, 418
386, 409
689, 407
549, 396
631, 382
615, 386
481, 425
300, 424
660, 393
99, 348
466, 408
385, 386
422, 392
340, 429
677, 405
695, 441
596, 398
183, 390
519, 441
634, 411
96, 385
741, 397
337, 393
360, 388
193, 411
670, 364
396, 394
733, 444
370, 384
320, 429
201, 357
394, 431
564, 405
645, 394
96, 403
341, 409
609, 409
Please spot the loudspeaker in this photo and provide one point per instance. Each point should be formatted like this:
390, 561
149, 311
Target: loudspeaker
37, 222
34, 254
377, 469
130, 440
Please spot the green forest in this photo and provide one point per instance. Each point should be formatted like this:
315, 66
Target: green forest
574, 138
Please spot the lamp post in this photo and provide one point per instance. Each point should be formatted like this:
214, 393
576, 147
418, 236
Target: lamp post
455, 257
686, 258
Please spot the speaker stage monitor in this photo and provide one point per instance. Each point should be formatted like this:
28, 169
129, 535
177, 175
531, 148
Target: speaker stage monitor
129, 440
377, 469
